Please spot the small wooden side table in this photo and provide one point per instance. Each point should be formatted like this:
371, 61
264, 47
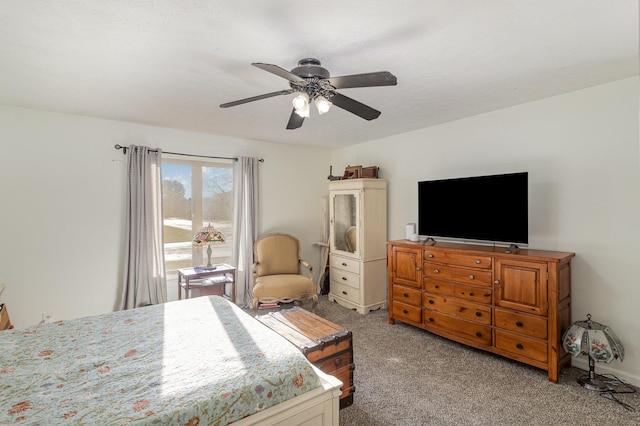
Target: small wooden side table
185, 276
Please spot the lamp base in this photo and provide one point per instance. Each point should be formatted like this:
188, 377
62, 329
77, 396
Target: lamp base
593, 384
209, 267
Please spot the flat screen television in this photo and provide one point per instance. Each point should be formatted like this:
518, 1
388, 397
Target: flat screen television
478, 209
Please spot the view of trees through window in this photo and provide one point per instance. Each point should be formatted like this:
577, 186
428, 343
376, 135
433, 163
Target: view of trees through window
194, 195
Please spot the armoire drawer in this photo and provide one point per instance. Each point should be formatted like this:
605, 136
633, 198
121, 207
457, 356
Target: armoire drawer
344, 291
345, 264
346, 278
470, 311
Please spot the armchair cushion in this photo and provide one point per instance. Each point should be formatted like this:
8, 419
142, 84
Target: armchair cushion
283, 286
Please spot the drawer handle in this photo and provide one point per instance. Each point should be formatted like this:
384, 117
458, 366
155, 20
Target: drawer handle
471, 294
518, 323
344, 278
496, 282
477, 262
404, 311
519, 346
471, 277
478, 314
337, 361
431, 301
430, 255
435, 271
344, 264
344, 292
478, 334
406, 295
437, 286
417, 268
431, 319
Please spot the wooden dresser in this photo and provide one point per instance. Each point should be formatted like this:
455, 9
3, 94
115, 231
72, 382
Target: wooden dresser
516, 305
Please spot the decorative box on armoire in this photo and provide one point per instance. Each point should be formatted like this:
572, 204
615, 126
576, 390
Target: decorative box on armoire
357, 243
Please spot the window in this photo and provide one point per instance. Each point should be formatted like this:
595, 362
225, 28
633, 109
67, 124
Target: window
195, 193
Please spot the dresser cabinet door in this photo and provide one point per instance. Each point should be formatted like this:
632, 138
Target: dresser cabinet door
406, 266
521, 286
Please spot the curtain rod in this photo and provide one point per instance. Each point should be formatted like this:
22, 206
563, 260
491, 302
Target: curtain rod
124, 151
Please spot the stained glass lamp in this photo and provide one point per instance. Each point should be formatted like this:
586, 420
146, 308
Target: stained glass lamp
598, 342
207, 237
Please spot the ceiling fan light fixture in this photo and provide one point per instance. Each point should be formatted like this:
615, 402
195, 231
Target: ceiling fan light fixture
301, 102
322, 104
303, 112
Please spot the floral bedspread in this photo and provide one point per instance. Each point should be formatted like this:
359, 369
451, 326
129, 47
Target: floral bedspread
196, 361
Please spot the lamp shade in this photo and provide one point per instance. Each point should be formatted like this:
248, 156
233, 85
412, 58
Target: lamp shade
598, 342
301, 101
593, 339
208, 236
322, 104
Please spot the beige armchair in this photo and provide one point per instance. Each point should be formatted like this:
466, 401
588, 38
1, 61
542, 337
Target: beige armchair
276, 271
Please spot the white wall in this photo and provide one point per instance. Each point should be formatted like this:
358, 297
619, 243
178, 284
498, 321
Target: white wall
62, 183
582, 153
62, 200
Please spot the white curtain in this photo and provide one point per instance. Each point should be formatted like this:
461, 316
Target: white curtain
245, 226
144, 280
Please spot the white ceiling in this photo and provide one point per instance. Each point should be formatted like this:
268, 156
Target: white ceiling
171, 63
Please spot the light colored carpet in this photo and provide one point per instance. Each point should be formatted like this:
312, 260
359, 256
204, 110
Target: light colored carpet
407, 376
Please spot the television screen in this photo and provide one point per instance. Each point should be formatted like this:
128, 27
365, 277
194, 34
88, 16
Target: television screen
481, 208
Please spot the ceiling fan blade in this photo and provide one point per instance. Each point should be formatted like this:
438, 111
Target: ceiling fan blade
383, 78
295, 121
280, 72
257, 98
354, 106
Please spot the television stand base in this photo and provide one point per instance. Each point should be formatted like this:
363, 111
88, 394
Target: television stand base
513, 248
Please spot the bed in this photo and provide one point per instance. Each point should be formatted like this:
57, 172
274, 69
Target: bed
195, 361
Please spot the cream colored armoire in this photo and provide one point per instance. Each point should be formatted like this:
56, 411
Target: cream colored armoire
357, 243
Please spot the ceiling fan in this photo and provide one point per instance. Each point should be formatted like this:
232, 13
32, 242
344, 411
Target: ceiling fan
314, 83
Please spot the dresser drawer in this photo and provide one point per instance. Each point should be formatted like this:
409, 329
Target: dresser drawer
521, 345
408, 312
521, 324
471, 331
345, 292
474, 294
475, 312
439, 287
345, 264
470, 260
346, 278
438, 271
407, 295
471, 276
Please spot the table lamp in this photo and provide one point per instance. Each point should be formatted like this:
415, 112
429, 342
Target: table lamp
207, 237
598, 342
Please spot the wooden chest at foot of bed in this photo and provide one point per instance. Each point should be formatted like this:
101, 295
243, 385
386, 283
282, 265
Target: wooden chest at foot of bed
325, 344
